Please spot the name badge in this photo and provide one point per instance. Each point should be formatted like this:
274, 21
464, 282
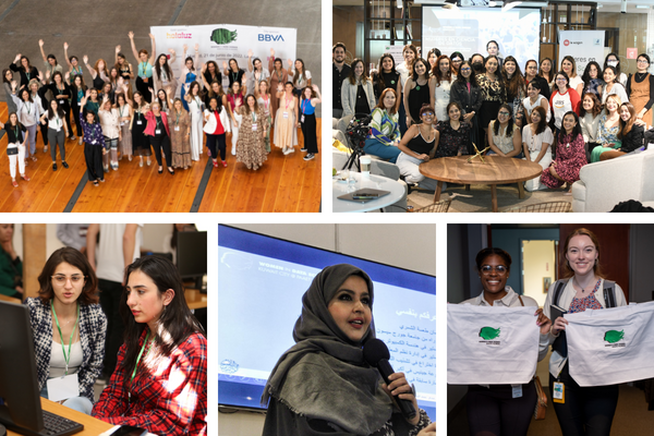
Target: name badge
61, 102
302, 119
157, 132
516, 391
558, 393
122, 123
145, 80
176, 128
63, 388
139, 122
285, 114
94, 142
79, 103
254, 127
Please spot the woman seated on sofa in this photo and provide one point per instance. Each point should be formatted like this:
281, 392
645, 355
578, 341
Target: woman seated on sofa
570, 154
537, 139
631, 134
589, 118
384, 128
609, 127
418, 145
504, 135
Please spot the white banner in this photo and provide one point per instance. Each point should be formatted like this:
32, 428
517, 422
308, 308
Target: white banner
221, 42
583, 45
607, 347
491, 345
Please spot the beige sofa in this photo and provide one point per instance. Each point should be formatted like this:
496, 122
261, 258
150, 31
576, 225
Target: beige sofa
603, 185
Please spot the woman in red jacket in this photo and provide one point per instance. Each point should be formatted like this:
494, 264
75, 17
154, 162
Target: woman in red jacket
159, 133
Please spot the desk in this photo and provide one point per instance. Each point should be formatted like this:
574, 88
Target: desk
92, 426
10, 299
195, 299
395, 188
495, 170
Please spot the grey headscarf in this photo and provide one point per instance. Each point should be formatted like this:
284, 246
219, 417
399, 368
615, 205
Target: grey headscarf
323, 376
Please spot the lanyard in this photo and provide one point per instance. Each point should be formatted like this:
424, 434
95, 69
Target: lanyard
234, 77
287, 101
70, 343
254, 117
121, 110
16, 130
138, 359
177, 119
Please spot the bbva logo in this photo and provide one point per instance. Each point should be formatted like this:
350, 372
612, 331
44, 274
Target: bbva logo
269, 38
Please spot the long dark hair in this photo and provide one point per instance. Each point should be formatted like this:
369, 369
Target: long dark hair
552, 74
540, 127
60, 112
617, 67
586, 76
473, 75
576, 130
625, 127
597, 106
353, 76
296, 76
516, 81
166, 67
176, 322
436, 70
414, 75
496, 122
379, 76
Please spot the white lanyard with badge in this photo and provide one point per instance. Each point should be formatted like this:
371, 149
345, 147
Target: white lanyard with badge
62, 388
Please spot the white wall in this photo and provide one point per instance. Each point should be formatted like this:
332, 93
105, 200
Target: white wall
539, 262
393, 244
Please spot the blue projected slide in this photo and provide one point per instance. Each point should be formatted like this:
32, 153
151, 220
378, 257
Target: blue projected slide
261, 282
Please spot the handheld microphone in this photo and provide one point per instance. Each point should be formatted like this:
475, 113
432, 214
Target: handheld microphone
376, 354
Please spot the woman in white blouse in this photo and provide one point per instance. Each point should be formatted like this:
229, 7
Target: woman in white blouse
110, 123
537, 139
589, 120
29, 111
57, 132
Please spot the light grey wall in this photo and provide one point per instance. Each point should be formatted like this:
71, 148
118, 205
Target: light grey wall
642, 258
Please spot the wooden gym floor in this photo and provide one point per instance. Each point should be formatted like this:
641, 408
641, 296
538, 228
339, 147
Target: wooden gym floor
283, 184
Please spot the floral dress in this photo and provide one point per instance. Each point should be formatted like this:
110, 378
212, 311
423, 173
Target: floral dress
605, 135
570, 157
251, 148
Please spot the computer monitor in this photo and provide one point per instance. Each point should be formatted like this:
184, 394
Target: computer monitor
19, 388
261, 281
192, 256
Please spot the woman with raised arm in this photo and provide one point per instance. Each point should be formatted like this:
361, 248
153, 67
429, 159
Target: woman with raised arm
124, 68
158, 132
74, 68
278, 76
285, 121
216, 127
50, 61
94, 146
62, 93
310, 98
255, 74
145, 65
234, 73
99, 72
163, 75
57, 131
300, 76
160, 380
27, 72
251, 149
195, 110
180, 135
110, 122
264, 100
140, 142
188, 74
16, 140
211, 73
125, 121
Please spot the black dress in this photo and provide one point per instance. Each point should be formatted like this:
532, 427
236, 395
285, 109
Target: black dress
140, 142
418, 96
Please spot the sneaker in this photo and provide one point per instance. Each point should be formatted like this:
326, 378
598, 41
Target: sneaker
303, 149
65, 164
234, 150
309, 156
81, 140
106, 168
54, 166
45, 149
225, 164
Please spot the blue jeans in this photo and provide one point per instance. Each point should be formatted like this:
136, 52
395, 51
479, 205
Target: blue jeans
376, 148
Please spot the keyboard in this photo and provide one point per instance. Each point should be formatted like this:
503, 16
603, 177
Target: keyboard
55, 425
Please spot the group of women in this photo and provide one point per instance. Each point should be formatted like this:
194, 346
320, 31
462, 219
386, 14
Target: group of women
159, 383
497, 409
125, 110
560, 120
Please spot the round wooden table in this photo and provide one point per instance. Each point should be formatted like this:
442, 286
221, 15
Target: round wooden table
493, 171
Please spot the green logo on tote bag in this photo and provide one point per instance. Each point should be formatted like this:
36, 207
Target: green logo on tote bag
613, 336
489, 333
223, 36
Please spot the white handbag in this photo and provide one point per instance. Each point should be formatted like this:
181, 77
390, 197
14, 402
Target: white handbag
611, 346
491, 345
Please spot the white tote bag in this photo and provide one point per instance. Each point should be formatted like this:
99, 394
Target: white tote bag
491, 345
611, 346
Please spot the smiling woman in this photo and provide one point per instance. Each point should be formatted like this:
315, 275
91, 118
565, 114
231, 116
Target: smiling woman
160, 381
336, 322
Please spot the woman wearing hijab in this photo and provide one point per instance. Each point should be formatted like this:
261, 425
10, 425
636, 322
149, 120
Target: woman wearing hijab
336, 321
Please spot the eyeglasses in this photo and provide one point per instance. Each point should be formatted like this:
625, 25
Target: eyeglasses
499, 269
429, 114
504, 114
465, 69
642, 61
61, 279
561, 79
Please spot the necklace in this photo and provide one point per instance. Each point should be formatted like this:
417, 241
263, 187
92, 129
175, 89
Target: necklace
583, 288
